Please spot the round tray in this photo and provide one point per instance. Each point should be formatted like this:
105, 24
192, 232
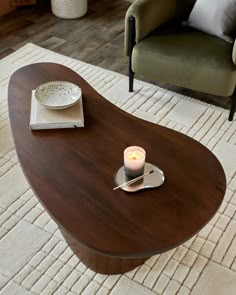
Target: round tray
58, 95
152, 180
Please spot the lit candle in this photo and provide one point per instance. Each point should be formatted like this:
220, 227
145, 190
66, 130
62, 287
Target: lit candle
134, 160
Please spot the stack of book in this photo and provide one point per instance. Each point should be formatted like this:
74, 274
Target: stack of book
43, 118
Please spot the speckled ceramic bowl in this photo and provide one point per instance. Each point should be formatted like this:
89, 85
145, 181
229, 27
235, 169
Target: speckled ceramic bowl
58, 95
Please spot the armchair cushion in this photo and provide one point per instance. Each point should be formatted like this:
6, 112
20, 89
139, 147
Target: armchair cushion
169, 53
234, 52
216, 17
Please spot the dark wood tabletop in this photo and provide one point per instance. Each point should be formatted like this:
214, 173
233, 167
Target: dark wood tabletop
72, 172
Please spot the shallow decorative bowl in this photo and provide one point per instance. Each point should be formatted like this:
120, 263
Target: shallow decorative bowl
58, 95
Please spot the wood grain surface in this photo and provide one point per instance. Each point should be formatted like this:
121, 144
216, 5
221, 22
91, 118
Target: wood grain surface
72, 173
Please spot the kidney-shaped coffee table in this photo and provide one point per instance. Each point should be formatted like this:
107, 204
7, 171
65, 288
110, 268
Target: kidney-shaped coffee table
72, 173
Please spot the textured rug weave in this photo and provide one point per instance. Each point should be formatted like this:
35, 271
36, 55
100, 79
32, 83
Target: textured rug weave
35, 259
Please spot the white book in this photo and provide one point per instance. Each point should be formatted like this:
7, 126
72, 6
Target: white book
43, 118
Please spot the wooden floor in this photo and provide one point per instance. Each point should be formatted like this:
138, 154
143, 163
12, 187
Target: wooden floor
97, 38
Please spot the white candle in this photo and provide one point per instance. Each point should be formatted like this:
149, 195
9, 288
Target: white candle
134, 160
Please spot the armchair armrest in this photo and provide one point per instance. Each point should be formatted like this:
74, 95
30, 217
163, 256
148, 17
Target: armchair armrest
234, 52
149, 15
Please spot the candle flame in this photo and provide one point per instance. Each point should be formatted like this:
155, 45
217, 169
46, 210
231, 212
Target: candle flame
134, 156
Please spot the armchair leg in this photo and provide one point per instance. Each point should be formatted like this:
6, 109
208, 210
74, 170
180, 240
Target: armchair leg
233, 107
131, 80
131, 46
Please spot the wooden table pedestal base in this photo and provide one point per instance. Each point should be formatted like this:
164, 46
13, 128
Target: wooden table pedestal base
101, 263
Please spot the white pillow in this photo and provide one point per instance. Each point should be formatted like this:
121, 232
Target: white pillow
215, 17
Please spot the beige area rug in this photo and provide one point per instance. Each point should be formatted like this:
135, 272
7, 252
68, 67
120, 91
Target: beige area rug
34, 258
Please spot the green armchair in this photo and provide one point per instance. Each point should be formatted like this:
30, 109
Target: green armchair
160, 48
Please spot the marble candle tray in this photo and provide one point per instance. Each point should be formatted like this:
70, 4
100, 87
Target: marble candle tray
152, 180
